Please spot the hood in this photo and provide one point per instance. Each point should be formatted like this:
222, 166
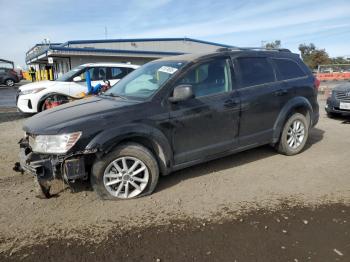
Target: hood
88, 113
39, 84
343, 87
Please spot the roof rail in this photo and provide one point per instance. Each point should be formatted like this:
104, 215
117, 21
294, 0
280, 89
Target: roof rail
225, 49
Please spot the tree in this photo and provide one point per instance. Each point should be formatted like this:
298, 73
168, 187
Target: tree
273, 45
339, 60
313, 56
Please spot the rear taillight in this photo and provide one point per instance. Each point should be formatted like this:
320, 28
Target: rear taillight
317, 83
12, 72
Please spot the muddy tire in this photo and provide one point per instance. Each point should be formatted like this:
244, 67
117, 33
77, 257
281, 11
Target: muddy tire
294, 135
42, 189
129, 171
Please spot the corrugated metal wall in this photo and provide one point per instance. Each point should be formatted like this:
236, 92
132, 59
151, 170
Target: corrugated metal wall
162, 46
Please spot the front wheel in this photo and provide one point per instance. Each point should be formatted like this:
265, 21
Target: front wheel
294, 135
129, 171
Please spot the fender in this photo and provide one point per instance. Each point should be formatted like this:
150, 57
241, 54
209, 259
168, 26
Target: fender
108, 139
288, 108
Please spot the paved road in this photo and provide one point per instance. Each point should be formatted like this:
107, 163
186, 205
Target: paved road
8, 94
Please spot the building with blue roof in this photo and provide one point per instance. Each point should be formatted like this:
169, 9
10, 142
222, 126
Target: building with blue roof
62, 57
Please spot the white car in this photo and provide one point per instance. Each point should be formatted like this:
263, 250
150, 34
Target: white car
31, 98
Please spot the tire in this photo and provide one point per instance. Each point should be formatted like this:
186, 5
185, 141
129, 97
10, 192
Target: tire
290, 143
9, 82
104, 168
331, 115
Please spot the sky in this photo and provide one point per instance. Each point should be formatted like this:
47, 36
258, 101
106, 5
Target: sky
23, 23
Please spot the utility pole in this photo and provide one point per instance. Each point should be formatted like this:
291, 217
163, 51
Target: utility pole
106, 32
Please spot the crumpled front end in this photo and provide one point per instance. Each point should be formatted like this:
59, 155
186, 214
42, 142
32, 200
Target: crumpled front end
47, 167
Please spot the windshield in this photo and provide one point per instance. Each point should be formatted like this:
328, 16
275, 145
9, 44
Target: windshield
67, 76
146, 80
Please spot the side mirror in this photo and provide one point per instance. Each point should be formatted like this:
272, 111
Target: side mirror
77, 79
182, 93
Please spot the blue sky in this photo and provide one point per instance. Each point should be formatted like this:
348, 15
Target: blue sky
241, 23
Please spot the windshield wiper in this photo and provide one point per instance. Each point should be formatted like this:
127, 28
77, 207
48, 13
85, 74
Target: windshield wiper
113, 95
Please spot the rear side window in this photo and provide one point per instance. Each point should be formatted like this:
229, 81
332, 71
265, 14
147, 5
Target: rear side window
255, 71
118, 72
288, 69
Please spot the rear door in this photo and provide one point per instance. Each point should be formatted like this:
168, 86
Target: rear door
293, 77
260, 99
207, 124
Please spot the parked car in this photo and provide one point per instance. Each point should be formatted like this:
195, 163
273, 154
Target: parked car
19, 73
31, 98
338, 103
8, 77
170, 114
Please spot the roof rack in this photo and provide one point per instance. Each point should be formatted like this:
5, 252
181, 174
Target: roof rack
225, 49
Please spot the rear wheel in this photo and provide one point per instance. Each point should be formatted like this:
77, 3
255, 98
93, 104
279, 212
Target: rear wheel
9, 82
129, 171
294, 135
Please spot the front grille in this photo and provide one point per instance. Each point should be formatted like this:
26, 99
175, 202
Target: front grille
342, 95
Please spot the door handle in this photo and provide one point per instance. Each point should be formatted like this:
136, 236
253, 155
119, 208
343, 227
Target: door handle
280, 92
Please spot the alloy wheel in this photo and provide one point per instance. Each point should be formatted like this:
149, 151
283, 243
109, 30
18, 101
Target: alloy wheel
10, 82
126, 177
296, 134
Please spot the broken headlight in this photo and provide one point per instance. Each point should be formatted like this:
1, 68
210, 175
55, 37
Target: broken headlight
54, 144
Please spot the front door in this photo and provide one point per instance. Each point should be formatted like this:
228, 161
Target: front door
207, 124
97, 75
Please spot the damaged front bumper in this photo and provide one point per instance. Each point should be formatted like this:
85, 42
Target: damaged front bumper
47, 167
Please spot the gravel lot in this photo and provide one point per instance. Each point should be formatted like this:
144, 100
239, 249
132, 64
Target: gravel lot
245, 184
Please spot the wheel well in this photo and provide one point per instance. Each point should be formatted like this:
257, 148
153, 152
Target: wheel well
151, 145
9, 78
43, 98
302, 110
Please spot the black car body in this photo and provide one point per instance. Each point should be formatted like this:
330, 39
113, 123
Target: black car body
8, 77
339, 100
210, 106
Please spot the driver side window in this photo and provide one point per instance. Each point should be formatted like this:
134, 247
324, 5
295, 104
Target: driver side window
209, 78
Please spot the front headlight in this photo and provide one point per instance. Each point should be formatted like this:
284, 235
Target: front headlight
54, 144
32, 91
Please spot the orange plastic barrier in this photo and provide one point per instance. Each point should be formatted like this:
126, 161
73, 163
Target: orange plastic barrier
333, 76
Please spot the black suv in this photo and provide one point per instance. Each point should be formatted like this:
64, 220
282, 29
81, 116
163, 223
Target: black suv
170, 114
8, 77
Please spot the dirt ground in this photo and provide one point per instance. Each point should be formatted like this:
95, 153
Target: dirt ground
223, 210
